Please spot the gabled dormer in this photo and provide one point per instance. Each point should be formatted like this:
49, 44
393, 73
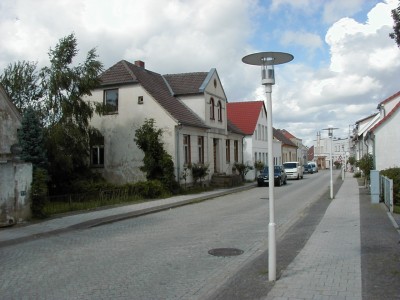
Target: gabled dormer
203, 93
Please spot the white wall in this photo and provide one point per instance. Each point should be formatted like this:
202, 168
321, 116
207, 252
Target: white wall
122, 156
387, 143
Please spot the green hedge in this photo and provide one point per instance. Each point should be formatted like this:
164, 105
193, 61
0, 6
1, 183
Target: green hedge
394, 174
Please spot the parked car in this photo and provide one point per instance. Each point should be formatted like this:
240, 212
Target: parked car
307, 169
313, 167
280, 176
293, 170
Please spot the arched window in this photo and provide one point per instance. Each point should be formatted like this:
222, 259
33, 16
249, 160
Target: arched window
219, 111
212, 104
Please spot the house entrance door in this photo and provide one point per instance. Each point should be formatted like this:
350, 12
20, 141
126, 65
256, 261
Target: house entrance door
215, 152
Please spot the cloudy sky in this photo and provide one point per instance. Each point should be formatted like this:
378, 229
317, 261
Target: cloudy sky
344, 61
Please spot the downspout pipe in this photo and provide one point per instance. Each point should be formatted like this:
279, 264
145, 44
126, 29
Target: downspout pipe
178, 161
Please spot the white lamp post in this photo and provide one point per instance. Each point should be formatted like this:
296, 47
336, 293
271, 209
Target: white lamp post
267, 60
330, 134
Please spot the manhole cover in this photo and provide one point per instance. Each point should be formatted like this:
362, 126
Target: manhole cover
225, 252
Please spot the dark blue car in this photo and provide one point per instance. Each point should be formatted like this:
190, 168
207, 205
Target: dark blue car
280, 176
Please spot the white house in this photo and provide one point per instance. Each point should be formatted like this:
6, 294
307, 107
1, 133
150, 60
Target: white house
325, 146
190, 109
383, 138
251, 118
360, 131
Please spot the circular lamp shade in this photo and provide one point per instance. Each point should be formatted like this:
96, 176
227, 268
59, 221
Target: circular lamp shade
267, 58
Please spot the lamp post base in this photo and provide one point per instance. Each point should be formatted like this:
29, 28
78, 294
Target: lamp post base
271, 252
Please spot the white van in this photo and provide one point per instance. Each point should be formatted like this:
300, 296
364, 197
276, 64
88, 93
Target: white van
293, 170
313, 167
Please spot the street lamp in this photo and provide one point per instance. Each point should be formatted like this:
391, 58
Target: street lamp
330, 134
267, 60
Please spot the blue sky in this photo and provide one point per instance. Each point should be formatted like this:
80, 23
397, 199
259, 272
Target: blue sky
344, 62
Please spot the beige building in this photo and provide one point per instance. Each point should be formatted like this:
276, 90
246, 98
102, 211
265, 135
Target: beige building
190, 108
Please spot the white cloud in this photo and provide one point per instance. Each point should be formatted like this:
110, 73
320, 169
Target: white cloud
359, 69
362, 56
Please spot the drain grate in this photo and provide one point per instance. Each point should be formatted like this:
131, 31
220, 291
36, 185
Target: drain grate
225, 252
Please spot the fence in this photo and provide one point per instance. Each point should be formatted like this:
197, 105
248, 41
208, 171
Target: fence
386, 192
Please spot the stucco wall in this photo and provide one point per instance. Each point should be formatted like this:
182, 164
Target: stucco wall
387, 143
10, 121
15, 185
122, 156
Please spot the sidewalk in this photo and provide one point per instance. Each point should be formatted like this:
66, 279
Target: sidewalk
330, 264
19, 233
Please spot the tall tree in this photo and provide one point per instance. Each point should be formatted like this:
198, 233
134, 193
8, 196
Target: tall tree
65, 84
68, 116
396, 27
31, 138
22, 83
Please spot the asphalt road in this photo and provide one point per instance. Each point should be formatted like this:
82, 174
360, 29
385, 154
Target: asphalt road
159, 256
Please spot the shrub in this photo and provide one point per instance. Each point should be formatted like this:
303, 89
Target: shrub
39, 193
243, 169
258, 165
151, 189
157, 163
199, 172
366, 164
352, 160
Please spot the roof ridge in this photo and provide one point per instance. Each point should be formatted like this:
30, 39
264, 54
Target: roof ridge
125, 64
185, 73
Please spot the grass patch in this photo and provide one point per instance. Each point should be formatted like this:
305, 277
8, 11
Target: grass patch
396, 209
85, 202
59, 207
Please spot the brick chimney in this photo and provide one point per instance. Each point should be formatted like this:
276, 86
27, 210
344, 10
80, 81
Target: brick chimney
139, 63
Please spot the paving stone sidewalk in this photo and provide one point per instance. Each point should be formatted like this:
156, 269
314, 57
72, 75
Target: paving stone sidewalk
329, 266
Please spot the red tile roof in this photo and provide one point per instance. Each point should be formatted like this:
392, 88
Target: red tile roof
390, 98
244, 115
278, 134
287, 134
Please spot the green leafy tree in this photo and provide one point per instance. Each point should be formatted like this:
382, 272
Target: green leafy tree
31, 138
396, 27
57, 92
157, 163
65, 84
366, 164
23, 85
258, 165
352, 160
243, 169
